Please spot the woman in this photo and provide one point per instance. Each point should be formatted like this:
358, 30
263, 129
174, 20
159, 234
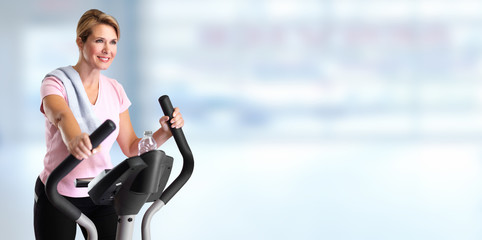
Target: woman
66, 131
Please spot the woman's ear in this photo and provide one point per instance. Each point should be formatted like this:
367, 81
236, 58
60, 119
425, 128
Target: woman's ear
80, 44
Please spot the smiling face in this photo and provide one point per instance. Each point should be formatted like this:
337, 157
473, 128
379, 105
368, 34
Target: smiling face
99, 49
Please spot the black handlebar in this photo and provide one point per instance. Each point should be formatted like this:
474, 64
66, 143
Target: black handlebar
72, 212
188, 160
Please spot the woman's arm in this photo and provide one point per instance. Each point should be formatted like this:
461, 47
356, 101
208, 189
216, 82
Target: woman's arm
127, 138
128, 141
59, 114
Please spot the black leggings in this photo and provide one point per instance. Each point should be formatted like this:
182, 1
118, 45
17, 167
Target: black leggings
50, 224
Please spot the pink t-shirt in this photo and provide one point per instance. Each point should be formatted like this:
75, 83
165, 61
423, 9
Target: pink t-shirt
111, 101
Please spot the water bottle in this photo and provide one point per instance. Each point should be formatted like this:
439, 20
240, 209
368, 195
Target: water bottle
147, 143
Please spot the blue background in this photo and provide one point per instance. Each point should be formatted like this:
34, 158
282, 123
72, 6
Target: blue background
307, 119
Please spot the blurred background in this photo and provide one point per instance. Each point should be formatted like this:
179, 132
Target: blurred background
308, 119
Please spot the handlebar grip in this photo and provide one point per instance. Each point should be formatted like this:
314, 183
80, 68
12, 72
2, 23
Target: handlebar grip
177, 133
66, 166
188, 160
101, 133
166, 106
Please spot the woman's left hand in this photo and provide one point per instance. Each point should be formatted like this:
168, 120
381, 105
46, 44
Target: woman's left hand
176, 122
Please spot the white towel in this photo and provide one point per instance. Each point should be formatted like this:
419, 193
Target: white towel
78, 100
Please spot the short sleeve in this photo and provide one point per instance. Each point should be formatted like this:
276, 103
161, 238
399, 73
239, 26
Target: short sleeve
51, 86
124, 102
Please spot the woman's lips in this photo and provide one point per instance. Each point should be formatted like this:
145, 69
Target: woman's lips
104, 59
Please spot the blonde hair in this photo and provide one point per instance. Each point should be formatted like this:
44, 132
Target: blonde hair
94, 17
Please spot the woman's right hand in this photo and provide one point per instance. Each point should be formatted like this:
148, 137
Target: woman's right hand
80, 146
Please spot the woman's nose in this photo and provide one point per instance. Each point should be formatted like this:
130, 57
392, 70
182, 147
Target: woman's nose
106, 49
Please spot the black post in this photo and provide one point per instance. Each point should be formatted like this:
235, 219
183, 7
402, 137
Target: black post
188, 160
66, 167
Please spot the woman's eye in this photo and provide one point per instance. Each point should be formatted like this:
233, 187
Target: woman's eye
99, 41
113, 42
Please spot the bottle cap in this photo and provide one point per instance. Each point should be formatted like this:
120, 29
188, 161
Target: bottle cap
147, 133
